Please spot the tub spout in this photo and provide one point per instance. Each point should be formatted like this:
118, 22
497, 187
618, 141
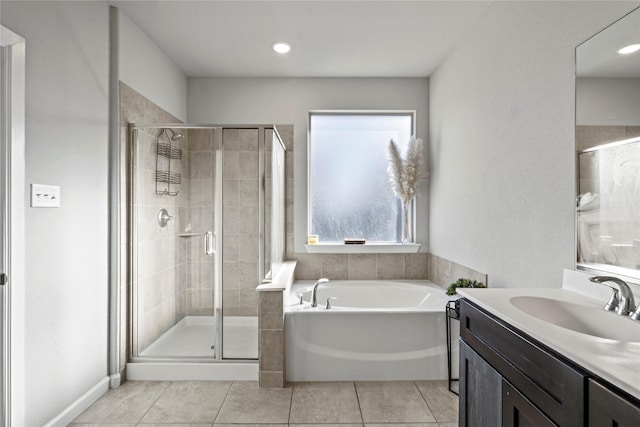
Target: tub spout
314, 299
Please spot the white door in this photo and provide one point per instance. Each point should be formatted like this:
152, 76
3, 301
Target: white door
12, 127
4, 227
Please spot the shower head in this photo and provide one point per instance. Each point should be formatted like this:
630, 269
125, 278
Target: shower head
175, 135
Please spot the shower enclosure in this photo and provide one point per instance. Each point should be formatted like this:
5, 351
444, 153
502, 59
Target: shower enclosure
207, 226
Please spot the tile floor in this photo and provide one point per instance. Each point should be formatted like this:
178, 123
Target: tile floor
243, 404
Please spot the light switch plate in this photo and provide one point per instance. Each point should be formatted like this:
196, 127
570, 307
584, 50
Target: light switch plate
45, 196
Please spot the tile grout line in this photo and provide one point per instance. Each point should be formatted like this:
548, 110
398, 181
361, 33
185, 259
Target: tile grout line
154, 402
222, 404
425, 401
290, 404
429, 406
355, 387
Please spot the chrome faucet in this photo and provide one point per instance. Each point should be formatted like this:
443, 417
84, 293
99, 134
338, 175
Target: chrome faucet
625, 303
314, 299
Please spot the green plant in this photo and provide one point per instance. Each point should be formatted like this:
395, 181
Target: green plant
464, 283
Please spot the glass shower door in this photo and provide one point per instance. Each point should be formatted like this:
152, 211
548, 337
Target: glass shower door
199, 230
195, 273
241, 236
173, 262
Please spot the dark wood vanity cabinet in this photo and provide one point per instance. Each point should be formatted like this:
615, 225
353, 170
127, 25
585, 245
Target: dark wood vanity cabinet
608, 408
536, 387
509, 379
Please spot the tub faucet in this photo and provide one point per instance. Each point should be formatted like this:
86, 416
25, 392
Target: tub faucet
314, 299
626, 303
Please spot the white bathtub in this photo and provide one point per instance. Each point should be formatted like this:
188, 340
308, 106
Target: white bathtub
375, 330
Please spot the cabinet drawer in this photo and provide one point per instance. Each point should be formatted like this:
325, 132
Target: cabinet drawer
554, 386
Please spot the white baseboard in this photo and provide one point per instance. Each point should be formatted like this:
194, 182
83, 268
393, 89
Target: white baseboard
80, 405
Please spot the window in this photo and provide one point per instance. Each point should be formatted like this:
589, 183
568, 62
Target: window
349, 191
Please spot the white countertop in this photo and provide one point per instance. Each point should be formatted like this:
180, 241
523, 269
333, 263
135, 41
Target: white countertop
616, 362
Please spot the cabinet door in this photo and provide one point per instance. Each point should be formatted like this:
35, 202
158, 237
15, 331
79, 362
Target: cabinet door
480, 392
517, 411
607, 408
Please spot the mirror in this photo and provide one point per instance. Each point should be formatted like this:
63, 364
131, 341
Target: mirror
608, 150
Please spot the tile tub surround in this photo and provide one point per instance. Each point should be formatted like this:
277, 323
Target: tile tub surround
443, 272
271, 339
271, 351
223, 403
362, 266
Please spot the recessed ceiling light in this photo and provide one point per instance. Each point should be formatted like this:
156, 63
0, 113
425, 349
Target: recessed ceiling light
282, 47
629, 49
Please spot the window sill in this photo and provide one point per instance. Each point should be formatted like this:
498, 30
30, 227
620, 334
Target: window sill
367, 248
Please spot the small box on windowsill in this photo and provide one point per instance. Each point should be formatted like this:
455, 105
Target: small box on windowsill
354, 241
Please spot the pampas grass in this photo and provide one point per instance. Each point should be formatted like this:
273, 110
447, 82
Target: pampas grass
406, 174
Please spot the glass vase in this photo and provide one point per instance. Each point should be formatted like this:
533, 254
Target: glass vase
407, 236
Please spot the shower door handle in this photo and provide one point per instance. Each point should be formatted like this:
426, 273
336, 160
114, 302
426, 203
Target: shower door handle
209, 243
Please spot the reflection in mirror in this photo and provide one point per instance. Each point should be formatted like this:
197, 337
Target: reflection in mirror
608, 146
609, 205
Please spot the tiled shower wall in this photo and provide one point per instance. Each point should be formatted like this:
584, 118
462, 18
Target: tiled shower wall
241, 216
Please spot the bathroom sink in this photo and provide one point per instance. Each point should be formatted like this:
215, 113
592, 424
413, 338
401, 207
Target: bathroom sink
580, 318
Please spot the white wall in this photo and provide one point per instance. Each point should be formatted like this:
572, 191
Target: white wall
288, 101
148, 70
66, 248
608, 102
502, 141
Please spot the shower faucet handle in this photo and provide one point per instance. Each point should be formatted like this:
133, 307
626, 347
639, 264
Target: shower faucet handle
328, 306
164, 218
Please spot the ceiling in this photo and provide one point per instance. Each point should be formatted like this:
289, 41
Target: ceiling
329, 38
599, 57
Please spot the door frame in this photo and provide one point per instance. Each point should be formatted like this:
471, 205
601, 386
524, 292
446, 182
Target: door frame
12, 144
